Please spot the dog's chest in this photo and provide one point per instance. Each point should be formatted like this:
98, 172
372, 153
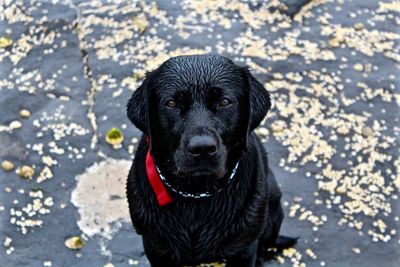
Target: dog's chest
197, 233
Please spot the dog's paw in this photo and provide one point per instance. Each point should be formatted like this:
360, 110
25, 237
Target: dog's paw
283, 242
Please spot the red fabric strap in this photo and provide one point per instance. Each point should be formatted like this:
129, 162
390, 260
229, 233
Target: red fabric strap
163, 197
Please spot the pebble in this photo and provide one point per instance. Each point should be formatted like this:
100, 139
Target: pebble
15, 125
262, 132
367, 131
24, 113
7, 241
358, 67
311, 254
5, 41
74, 242
7, 165
26, 172
141, 23
334, 42
133, 262
278, 126
358, 26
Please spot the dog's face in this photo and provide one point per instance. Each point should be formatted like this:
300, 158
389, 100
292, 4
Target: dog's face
198, 112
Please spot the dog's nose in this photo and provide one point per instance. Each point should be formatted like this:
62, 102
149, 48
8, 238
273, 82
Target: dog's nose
201, 145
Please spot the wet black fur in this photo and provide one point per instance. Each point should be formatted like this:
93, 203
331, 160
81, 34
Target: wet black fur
237, 224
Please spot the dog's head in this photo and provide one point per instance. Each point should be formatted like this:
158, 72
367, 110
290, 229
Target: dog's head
198, 112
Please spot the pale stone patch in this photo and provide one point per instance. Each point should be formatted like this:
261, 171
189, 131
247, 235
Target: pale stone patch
100, 197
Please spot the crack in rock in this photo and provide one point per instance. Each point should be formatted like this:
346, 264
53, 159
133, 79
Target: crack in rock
88, 74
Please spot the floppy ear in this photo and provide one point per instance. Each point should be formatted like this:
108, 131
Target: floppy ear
137, 108
259, 101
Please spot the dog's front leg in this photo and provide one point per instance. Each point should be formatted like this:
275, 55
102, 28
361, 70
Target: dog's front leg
246, 258
155, 257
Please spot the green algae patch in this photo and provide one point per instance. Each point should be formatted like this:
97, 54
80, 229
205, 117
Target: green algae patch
114, 136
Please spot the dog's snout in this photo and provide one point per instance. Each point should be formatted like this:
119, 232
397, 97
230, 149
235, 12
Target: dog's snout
202, 145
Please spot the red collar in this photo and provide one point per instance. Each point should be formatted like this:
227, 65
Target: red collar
163, 197
158, 182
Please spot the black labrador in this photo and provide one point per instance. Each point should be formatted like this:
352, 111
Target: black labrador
200, 189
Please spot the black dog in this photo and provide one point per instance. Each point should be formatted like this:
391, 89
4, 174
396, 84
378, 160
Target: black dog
210, 195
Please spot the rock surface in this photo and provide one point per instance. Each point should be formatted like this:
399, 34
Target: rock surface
332, 68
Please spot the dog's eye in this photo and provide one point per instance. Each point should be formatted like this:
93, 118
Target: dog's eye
224, 102
171, 103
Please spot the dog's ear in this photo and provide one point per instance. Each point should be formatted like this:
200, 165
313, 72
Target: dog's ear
259, 101
137, 108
